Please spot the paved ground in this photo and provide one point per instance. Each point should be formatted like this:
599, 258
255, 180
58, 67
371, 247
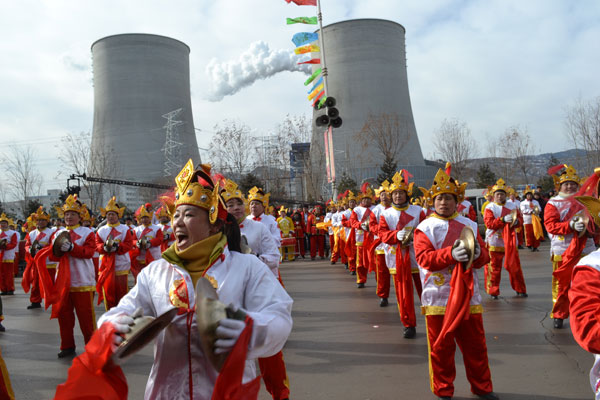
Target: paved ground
344, 346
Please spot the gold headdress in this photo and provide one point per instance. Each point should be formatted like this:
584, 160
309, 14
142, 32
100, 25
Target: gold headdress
85, 214
259, 195
197, 188
4, 217
365, 192
566, 174
528, 189
282, 208
330, 204
39, 214
443, 183
500, 186
349, 196
232, 191
142, 212
384, 187
162, 212
112, 206
400, 182
71, 204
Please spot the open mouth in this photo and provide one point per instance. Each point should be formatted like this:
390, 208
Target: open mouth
181, 238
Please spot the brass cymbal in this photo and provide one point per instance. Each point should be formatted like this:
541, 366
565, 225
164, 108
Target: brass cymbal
62, 237
467, 237
515, 215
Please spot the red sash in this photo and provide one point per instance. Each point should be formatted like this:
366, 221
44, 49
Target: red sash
107, 279
512, 262
54, 293
403, 270
28, 276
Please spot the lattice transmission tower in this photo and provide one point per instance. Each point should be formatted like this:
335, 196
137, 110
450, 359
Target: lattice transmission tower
172, 147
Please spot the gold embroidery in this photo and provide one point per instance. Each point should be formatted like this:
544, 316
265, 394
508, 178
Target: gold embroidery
438, 278
178, 294
212, 281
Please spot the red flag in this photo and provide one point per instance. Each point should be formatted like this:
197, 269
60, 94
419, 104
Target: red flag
92, 374
303, 2
229, 382
313, 61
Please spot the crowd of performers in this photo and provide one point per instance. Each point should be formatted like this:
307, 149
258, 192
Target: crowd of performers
209, 229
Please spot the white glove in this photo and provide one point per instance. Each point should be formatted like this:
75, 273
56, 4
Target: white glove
477, 250
401, 235
148, 244
122, 324
109, 249
66, 247
166, 236
364, 226
228, 332
459, 253
577, 226
508, 218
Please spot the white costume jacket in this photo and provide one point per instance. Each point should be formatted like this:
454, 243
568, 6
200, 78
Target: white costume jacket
262, 243
118, 233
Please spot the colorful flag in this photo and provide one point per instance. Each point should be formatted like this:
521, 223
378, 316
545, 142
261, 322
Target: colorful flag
315, 92
331, 157
302, 20
302, 38
313, 76
317, 83
310, 48
320, 96
322, 102
303, 2
311, 61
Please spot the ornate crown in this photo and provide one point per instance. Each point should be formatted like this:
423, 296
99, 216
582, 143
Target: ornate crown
232, 191
259, 195
282, 208
566, 173
528, 189
39, 214
365, 192
142, 212
71, 204
443, 183
400, 182
500, 186
112, 206
4, 217
85, 213
349, 195
384, 187
330, 204
162, 212
196, 187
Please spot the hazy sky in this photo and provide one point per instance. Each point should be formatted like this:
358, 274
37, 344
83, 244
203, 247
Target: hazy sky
491, 64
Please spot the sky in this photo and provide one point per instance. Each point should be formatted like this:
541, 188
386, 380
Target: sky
493, 64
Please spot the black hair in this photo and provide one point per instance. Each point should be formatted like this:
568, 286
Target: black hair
231, 229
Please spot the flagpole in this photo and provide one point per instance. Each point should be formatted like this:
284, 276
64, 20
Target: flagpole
324, 66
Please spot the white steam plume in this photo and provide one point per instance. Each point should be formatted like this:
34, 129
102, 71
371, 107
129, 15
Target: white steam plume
258, 62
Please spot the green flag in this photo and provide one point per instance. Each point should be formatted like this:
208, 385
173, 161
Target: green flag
312, 77
302, 20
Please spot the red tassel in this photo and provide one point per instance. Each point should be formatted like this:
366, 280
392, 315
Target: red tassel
555, 169
364, 187
448, 168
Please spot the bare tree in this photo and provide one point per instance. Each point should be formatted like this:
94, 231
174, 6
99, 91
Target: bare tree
231, 148
583, 129
389, 133
519, 147
24, 180
79, 157
454, 143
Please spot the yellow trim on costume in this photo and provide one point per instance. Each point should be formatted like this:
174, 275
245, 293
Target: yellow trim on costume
93, 310
124, 272
441, 310
379, 251
71, 227
8, 261
6, 377
114, 225
496, 248
83, 289
556, 257
435, 215
392, 271
400, 208
52, 266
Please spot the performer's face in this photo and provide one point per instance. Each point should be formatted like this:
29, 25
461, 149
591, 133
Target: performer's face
529, 196
399, 197
145, 221
569, 187
445, 204
72, 218
385, 198
112, 217
191, 225
164, 220
4, 225
41, 224
352, 203
500, 197
256, 208
365, 202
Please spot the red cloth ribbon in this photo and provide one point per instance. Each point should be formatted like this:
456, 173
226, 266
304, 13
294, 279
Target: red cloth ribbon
106, 279
54, 293
28, 276
403, 269
256, 218
563, 273
93, 375
512, 262
229, 384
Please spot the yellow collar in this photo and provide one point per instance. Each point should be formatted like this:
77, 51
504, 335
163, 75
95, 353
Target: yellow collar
70, 228
400, 208
436, 215
500, 204
114, 225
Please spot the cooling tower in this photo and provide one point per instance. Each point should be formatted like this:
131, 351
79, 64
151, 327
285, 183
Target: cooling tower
366, 63
138, 78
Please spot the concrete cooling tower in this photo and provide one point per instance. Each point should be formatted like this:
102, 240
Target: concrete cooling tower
138, 79
366, 62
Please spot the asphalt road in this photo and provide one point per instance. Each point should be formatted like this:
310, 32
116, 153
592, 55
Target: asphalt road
344, 346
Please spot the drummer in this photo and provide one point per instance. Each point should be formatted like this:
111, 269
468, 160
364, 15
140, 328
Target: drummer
207, 245
439, 253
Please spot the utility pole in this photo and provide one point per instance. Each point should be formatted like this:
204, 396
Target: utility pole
172, 147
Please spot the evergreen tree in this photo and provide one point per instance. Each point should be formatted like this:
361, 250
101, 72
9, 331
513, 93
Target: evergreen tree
546, 181
346, 183
388, 169
485, 176
32, 206
249, 181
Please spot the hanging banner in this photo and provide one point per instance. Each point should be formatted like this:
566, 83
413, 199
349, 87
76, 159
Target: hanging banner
331, 152
302, 38
309, 48
327, 161
303, 2
302, 20
313, 61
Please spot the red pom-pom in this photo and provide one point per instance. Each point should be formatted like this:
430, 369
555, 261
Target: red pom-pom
554, 170
364, 187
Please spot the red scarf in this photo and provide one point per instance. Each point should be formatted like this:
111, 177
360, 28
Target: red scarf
54, 293
512, 263
107, 279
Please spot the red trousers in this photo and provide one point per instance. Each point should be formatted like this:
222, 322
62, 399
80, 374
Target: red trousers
520, 237
560, 293
530, 239
7, 276
96, 262
351, 254
410, 313
6, 390
136, 267
335, 250
82, 304
120, 291
35, 295
317, 240
493, 273
470, 338
300, 246
16, 264
342, 249
362, 268
275, 376
382, 275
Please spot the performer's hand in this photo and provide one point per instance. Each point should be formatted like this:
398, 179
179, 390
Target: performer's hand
228, 332
477, 250
459, 252
577, 226
166, 236
148, 244
364, 226
109, 249
508, 218
66, 247
401, 235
